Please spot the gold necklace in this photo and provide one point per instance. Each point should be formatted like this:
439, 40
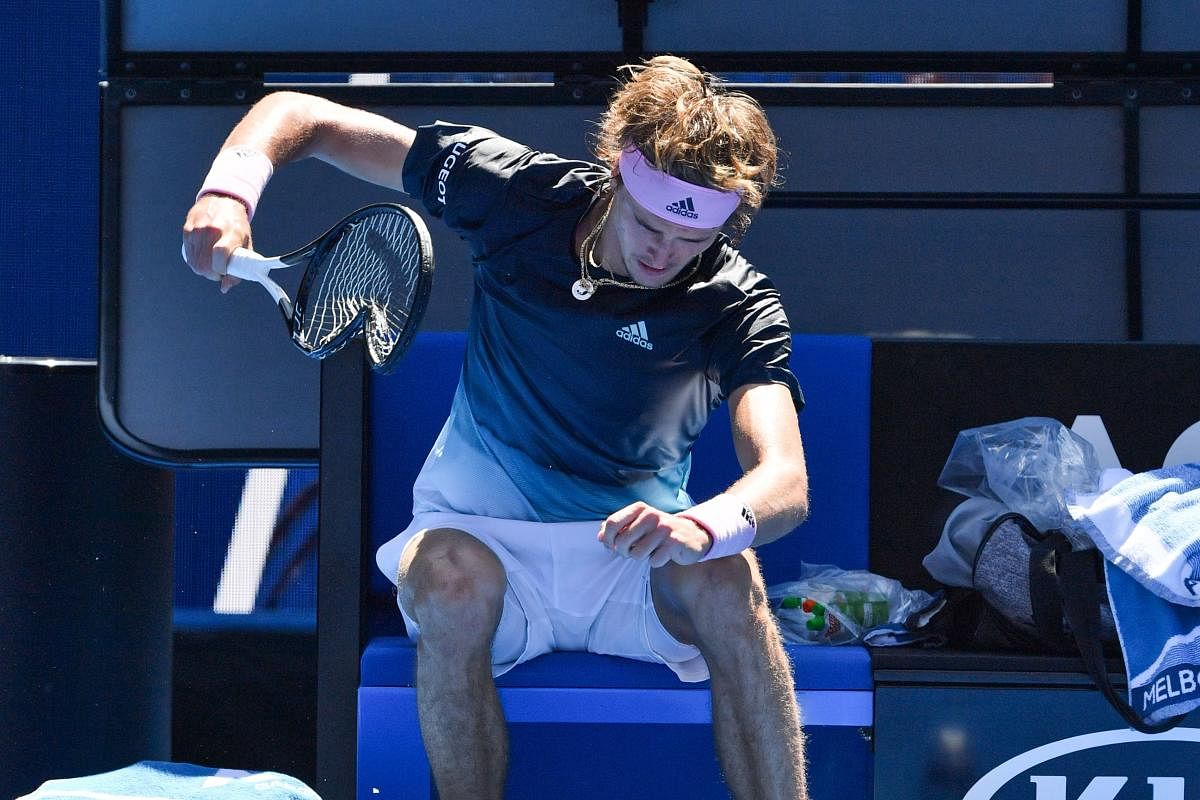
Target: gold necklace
586, 286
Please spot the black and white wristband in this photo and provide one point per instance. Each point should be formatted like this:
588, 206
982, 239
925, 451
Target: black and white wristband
729, 521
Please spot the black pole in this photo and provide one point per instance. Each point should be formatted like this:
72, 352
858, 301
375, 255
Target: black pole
339, 571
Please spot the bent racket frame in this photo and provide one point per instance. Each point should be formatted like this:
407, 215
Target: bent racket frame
371, 273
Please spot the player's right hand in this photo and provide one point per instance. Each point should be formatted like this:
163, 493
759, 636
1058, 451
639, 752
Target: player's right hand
644, 533
215, 226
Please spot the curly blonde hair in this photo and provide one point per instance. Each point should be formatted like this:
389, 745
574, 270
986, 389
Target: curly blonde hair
686, 124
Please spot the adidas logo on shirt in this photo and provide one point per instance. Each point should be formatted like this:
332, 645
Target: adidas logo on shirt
636, 333
684, 208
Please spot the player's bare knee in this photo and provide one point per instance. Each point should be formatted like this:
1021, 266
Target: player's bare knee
450, 579
722, 594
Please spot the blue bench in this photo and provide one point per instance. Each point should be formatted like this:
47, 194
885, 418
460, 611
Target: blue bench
589, 693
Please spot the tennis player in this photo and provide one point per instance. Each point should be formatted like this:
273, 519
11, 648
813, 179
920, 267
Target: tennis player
611, 314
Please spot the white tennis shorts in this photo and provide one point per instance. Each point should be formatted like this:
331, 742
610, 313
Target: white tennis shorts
566, 591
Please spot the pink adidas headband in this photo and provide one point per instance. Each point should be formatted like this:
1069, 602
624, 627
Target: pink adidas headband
673, 199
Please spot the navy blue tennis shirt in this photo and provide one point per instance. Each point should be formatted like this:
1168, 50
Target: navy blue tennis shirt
569, 409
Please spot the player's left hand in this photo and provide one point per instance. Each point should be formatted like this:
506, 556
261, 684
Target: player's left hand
644, 533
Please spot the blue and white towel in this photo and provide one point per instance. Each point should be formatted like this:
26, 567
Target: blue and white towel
1161, 645
161, 780
1149, 525
1148, 528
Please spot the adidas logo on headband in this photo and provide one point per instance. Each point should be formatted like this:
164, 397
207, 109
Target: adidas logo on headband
701, 207
684, 208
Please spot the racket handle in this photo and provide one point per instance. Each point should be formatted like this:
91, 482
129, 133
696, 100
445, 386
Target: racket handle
249, 265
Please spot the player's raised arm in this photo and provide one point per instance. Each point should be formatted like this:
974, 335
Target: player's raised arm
281, 128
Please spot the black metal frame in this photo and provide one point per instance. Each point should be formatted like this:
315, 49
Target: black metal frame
113, 96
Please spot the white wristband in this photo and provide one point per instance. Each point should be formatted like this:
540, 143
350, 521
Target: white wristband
728, 520
241, 173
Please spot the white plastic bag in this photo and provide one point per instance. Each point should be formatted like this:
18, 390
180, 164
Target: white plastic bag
830, 605
1032, 465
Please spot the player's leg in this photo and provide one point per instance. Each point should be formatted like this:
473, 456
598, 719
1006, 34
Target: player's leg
453, 586
721, 607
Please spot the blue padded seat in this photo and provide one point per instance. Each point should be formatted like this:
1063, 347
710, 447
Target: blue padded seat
388, 661
833, 684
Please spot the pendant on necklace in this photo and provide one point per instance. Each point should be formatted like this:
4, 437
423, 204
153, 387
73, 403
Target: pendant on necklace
583, 289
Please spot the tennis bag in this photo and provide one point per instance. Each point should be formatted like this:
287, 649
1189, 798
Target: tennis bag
1042, 593
1015, 574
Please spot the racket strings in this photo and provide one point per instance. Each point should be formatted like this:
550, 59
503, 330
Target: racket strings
371, 274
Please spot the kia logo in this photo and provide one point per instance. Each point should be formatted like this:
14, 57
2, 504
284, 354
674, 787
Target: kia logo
1023, 769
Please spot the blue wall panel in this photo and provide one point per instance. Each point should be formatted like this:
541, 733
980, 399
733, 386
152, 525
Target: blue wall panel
48, 186
883, 25
370, 25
